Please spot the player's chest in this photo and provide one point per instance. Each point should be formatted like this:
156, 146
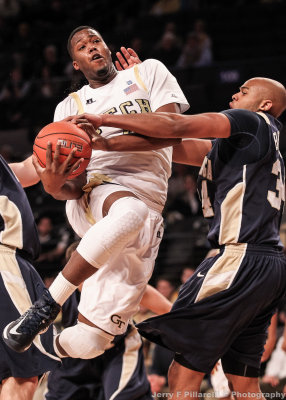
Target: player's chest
124, 98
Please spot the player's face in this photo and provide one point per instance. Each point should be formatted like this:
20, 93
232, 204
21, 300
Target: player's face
249, 97
91, 55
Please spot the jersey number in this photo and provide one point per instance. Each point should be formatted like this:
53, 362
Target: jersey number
206, 172
276, 197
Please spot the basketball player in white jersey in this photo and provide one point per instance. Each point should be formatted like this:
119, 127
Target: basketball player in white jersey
119, 217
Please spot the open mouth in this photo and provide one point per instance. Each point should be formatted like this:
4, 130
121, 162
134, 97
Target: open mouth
96, 57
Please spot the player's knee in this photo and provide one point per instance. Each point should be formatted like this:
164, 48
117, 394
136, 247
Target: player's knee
83, 341
125, 219
130, 212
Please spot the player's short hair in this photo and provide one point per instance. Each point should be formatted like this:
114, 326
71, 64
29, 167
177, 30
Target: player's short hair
78, 29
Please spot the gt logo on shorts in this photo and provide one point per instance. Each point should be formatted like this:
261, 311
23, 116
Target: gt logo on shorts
116, 320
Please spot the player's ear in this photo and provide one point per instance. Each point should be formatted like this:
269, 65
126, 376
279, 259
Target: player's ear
265, 105
75, 65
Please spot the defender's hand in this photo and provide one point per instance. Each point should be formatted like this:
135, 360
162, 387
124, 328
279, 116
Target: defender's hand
127, 59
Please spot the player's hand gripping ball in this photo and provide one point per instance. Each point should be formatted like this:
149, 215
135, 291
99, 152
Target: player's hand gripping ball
69, 136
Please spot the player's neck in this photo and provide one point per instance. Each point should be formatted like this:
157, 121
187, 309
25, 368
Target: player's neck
102, 81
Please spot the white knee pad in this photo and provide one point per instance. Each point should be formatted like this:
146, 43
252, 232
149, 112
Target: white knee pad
83, 341
108, 236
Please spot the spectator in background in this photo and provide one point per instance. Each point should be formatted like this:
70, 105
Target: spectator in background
50, 61
186, 273
167, 287
167, 50
165, 7
54, 242
9, 8
197, 51
187, 204
13, 98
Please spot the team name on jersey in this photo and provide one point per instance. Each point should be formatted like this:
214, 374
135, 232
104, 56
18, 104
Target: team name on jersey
124, 108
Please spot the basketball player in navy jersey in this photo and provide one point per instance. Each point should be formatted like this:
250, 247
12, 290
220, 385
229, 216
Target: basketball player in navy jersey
224, 310
20, 286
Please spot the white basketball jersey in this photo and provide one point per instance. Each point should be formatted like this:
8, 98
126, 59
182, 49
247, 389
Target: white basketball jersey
143, 88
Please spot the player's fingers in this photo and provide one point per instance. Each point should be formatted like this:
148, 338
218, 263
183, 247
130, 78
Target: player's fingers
118, 66
133, 53
49, 155
69, 118
68, 161
57, 154
81, 121
37, 166
125, 52
76, 165
121, 59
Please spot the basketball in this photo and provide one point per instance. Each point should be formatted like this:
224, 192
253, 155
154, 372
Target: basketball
70, 136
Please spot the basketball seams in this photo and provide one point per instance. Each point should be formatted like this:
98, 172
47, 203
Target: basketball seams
65, 133
71, 137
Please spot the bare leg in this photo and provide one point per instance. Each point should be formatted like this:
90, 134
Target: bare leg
183, 382
77, 269
18, 388
244, 387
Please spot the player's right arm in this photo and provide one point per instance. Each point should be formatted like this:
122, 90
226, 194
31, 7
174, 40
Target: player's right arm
25, 172
154, 301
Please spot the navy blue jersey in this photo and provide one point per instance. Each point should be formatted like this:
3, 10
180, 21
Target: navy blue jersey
17, 225
241, 182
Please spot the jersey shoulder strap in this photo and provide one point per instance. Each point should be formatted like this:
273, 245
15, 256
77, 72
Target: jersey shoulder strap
75, 96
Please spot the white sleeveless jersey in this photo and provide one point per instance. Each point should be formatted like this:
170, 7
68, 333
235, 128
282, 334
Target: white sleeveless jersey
143, 88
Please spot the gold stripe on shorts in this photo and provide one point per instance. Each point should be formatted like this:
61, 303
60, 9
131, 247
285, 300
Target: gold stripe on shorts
95, 180
130, 359
221, 275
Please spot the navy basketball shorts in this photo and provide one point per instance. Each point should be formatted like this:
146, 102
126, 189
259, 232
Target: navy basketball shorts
224, 310
118, 374
20, 286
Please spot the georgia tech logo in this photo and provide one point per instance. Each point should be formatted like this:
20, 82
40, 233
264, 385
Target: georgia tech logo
116, 320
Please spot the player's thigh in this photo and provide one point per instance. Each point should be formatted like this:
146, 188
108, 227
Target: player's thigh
86, 211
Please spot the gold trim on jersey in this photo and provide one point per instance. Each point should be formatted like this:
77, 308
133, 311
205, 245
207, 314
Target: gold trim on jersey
139, 79
130, 359
12, 235
13, 279
231, 213
221, 275
95, 180
264, 116
75, 96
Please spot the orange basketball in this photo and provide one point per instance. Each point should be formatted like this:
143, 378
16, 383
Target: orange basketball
70, 136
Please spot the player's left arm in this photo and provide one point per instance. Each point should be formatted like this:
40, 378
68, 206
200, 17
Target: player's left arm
25, 172
155, 301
